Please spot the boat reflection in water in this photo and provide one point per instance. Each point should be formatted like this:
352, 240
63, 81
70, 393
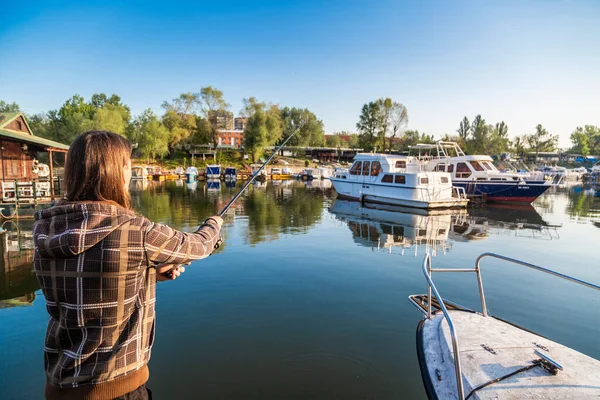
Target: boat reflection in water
18, 283
386, 228
515, 220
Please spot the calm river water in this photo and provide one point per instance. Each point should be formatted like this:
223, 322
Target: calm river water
308, 296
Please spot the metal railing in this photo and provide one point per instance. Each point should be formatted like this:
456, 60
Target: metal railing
431, 288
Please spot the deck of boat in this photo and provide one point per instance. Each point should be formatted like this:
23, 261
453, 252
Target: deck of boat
490, 349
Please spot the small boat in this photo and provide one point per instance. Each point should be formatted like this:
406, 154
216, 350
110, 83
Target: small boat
262, 174
397, 180
478, 176
325, 172
191, 174
230, 174
139, 172
465, 354
213, 171
308, 174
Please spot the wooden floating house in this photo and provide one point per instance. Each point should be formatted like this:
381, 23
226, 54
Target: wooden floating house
23, 179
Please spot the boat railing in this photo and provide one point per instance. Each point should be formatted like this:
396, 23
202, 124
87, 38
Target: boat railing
431, 288
459, 192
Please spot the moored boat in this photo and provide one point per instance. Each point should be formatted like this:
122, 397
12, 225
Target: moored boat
464, 354
397, 180
230, 174
139, 172
213, 171
478, 176
191, 174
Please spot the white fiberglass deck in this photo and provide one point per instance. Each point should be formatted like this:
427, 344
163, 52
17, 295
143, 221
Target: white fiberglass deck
514, 347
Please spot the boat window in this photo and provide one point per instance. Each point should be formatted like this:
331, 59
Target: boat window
450, 168
462, 170
401, 164
387, 179
477, 166
375, 168
366, 166
398, 232
400, 179
441, 231
425, 181
489, 166
444, 179
387, 229
440, 167
485, 179
356, 168
422, 232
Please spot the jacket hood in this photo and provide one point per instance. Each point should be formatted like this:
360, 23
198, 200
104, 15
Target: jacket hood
70, 229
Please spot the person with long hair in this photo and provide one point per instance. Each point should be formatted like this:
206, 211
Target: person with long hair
97, 263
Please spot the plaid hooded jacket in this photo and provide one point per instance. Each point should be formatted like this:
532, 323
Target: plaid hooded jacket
92, 262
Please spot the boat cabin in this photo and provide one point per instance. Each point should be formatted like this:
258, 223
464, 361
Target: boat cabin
23, 178
397, 180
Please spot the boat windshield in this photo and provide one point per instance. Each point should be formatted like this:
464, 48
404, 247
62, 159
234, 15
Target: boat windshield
356, 168
476, 166
488, 165
375, 168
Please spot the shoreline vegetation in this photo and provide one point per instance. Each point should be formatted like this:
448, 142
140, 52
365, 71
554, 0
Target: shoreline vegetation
194, 120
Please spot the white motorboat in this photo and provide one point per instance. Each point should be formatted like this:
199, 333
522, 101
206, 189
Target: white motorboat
478, 175
191, 174
397, 180
139, 172
464, 354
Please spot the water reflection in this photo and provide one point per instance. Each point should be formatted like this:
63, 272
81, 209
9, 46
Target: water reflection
391, 228
17, 280
514, 220
387, 228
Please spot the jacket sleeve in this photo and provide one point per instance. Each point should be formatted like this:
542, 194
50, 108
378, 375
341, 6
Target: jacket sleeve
166, 245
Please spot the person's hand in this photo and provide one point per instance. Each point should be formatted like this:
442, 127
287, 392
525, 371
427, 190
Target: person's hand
217, 219
169, 272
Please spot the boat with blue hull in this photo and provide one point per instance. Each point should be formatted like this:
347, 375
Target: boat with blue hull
479, 176
503, 192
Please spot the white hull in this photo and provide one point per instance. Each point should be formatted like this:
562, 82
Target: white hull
405, 196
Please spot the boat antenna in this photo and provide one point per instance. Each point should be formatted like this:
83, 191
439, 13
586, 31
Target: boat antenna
255, 175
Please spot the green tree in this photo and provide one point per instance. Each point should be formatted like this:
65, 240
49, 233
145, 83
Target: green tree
334, 141
370, 125
499, 140
464, 131
413, 137
9, 107
311, 133
211, 100
263, 129
354, 141
586, 140
480, 133
150, 135
394, 119
542, 140
519, 144
109, 118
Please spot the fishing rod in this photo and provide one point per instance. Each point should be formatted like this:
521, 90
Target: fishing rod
169, 274
255, 175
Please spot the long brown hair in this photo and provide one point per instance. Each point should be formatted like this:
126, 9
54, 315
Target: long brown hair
94, 168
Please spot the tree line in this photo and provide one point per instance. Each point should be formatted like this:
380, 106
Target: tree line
188, 120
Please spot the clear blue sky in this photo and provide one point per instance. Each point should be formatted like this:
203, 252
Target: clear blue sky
521, 62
